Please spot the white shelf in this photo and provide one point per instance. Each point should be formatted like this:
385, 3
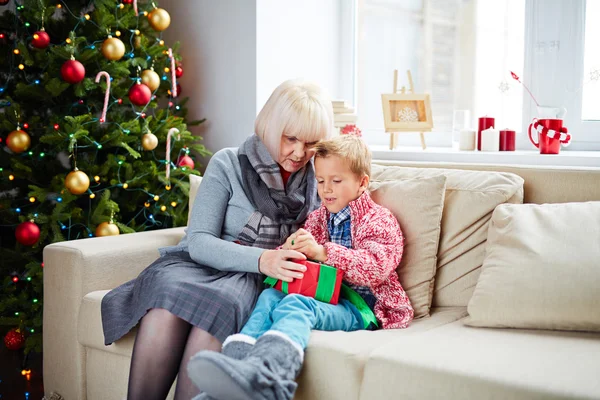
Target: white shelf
520, 157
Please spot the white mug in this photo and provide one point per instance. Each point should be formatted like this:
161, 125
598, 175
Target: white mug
547, 112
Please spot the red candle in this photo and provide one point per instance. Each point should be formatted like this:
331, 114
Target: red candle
507, 140
484, 123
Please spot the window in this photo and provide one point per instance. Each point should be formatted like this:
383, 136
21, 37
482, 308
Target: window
462, 52
455, 51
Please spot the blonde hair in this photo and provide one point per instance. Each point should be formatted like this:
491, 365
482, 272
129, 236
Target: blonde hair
296, 108
350, 148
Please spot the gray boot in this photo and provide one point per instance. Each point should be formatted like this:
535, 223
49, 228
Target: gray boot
267, 373
238, 346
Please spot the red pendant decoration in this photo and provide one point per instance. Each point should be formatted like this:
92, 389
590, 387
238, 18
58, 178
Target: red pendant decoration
14, 339
41, 39
140, 94
72, 71
186, 161
179, 71
27, 233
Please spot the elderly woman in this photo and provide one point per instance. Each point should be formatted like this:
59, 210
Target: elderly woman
204, 289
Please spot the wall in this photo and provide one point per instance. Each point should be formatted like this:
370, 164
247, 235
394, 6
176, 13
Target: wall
219, 58
297, 39
236, 52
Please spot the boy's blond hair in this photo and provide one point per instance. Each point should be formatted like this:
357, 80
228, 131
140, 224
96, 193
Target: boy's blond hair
350, 148
296, 108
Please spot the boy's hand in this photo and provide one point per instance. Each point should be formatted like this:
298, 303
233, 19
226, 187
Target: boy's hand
305, 243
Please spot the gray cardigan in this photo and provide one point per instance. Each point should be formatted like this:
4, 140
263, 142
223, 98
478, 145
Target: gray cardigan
221, 210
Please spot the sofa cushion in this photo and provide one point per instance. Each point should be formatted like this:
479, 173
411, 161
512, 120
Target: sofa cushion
418, 206
335, 361
460, 362
195, 181
471, 196
542, 268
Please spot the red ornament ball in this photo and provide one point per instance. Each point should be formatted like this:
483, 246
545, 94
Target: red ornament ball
14, 339
127, 1
4, 2
178, 90
179, 71
186, 161
140, 94
72, 71
41, 40
27, 233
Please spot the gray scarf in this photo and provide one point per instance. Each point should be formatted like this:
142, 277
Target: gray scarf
280, 211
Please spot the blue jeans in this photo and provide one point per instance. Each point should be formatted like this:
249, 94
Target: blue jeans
295, 315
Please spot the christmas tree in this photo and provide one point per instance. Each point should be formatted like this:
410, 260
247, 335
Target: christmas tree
93, 132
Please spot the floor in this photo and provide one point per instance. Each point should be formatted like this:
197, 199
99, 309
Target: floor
13, 384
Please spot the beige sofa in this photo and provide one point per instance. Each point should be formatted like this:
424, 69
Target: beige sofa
436, 357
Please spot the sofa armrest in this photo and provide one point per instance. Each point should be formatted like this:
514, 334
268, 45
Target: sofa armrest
72, 270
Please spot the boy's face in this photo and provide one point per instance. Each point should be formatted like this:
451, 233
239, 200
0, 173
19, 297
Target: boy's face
337, 184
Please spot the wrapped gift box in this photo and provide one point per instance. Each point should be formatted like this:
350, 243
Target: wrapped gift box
321, 282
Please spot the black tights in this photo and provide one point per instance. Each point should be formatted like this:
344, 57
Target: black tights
163, 346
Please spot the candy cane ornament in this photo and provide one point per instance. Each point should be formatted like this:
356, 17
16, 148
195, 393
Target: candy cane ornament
135, 7
171, 132
173, 77
106, 95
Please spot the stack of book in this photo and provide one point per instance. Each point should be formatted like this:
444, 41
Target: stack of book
343, 114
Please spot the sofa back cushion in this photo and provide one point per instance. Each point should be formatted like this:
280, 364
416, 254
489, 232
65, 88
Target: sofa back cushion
542, 268
417, 204
194, 185
470, 198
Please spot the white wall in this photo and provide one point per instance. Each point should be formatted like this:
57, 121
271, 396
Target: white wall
297, 39
219, 58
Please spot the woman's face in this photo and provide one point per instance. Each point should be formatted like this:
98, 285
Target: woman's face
294, 153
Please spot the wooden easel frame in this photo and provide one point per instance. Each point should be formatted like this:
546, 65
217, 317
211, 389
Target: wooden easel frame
420, 101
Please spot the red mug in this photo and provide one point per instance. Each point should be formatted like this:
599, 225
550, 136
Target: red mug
551, 134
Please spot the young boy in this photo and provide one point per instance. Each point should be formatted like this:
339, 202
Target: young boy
349, 231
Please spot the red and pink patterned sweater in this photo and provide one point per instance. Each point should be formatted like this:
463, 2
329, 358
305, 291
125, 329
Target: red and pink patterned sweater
377, 246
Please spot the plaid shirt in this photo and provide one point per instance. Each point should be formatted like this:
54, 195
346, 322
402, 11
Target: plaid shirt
340, 232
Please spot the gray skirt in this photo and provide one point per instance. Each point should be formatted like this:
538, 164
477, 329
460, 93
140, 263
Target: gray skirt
215, 301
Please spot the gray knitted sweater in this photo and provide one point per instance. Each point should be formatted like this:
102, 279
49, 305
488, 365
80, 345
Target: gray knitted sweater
221, 210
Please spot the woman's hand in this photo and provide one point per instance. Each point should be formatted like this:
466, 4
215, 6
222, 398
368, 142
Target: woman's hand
276, 264
304, 242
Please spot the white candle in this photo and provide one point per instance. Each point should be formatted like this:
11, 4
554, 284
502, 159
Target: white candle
490, 140
467, 140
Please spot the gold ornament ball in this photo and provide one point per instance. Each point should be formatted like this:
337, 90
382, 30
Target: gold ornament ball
149, 141
137, 42
107, 229
113, 49
159, 19
18, 141
150, 79
77, 182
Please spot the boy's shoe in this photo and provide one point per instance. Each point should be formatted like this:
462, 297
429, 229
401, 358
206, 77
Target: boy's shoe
267, 373
238, 346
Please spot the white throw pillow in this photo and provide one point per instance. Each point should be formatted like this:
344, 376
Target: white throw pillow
417, 204
541, 270
470, 198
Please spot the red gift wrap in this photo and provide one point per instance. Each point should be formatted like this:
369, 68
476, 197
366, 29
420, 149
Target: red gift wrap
321, 282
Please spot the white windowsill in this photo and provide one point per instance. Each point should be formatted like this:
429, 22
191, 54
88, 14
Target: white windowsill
519, 157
